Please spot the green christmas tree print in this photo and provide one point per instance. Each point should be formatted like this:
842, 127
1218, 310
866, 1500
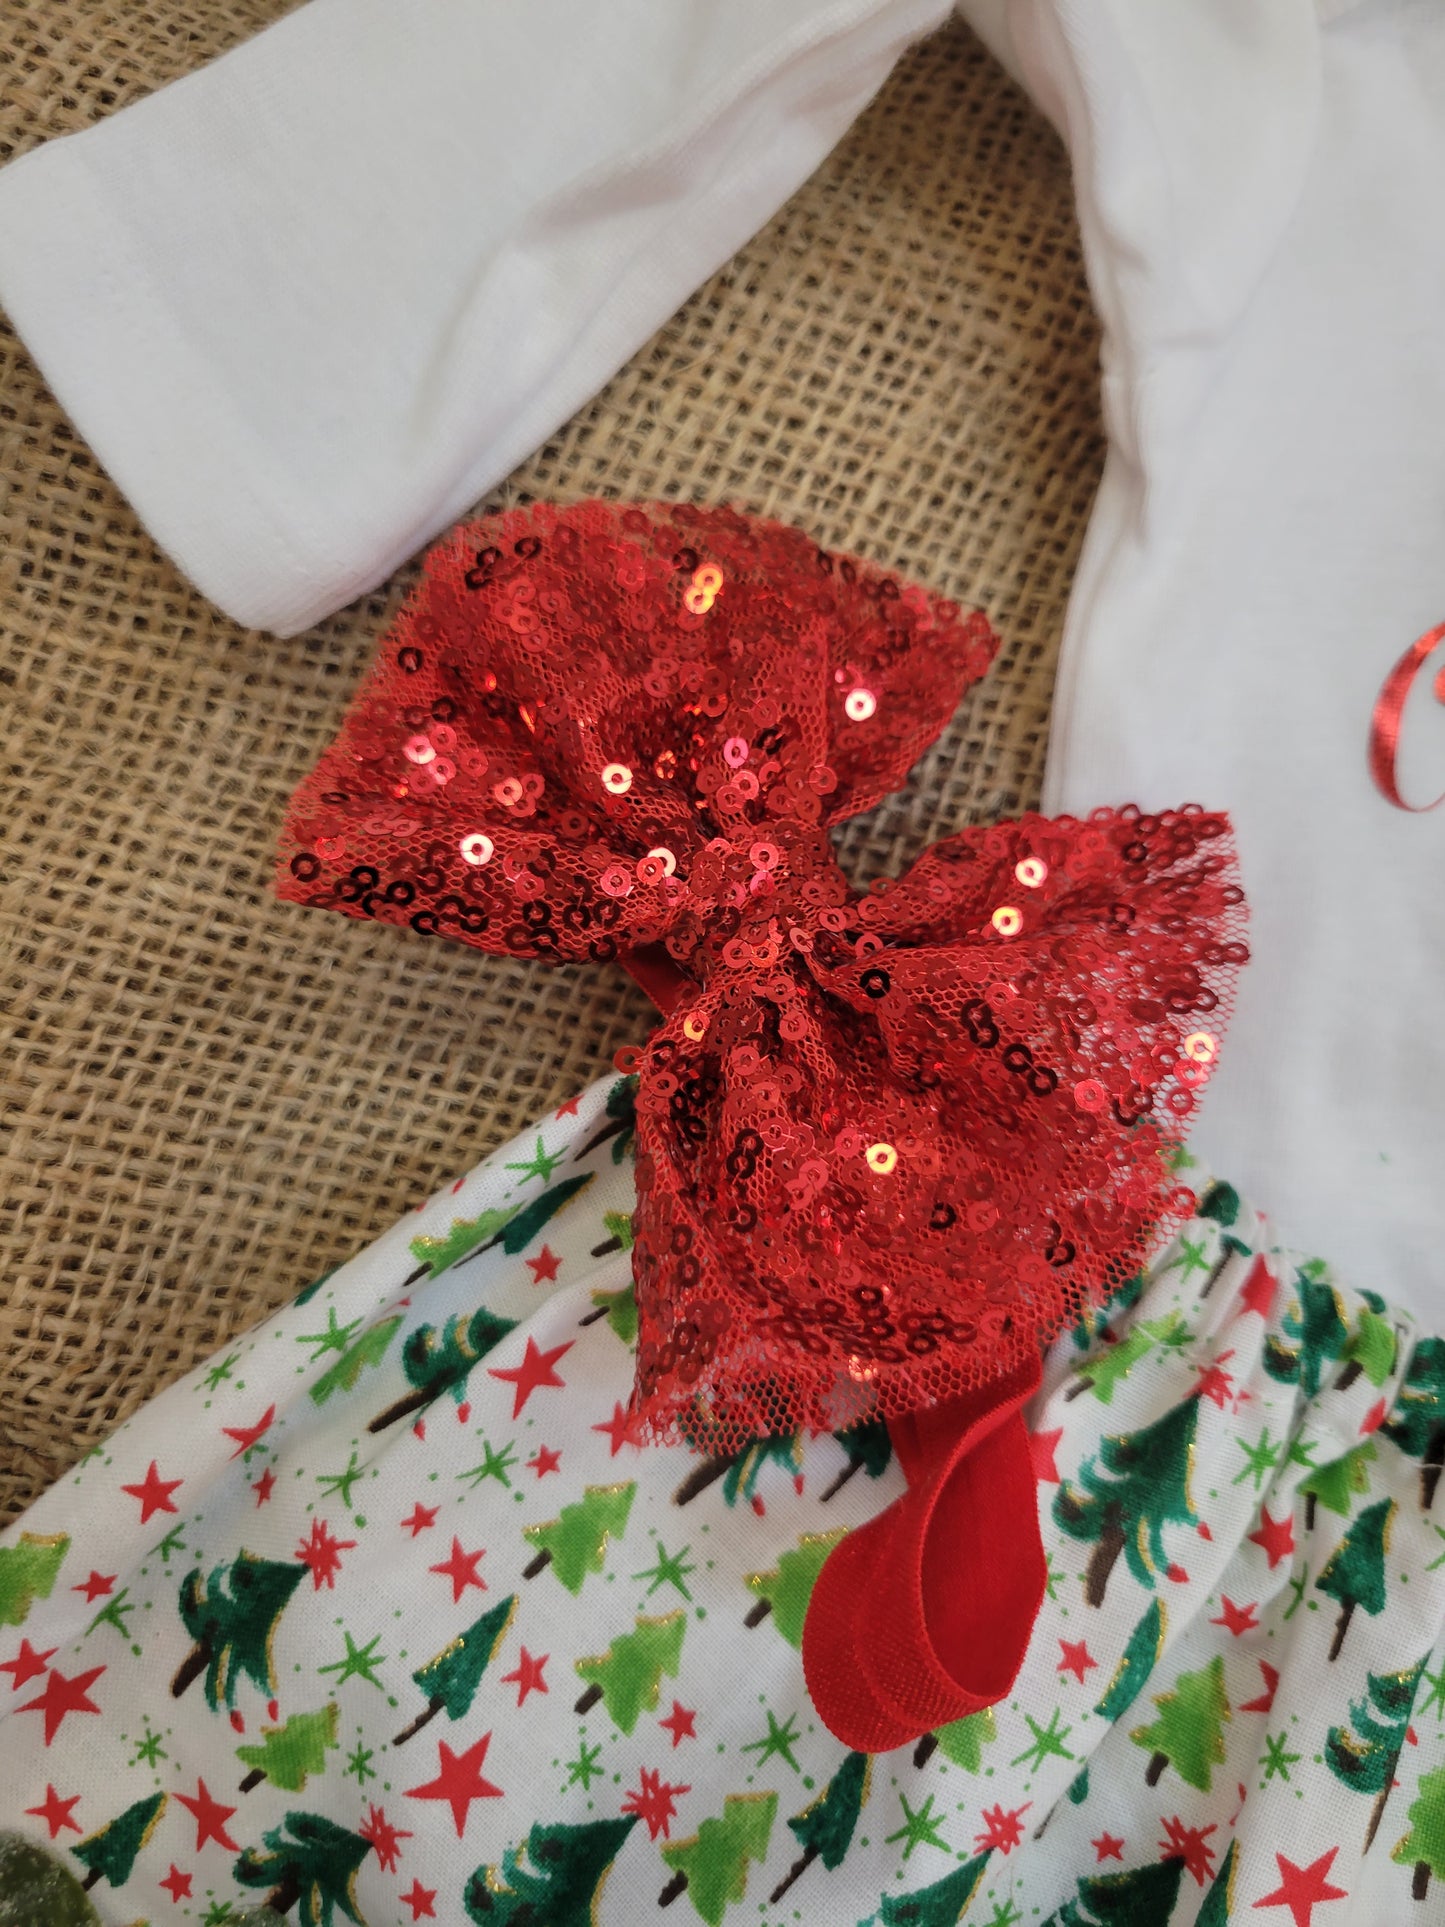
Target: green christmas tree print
28, 1570
619, 1122
1416, 1421
450, 1681
712, 1867
1102, 1373
575, 1543
941, 1905
232, 1617
619, 1308
1219, 1901
1354, 1573
439, 1361
619, 1234
961, 1741
289, 1754
1136, 1484
1363, 1755
1136, 1663
1221, 1203
1424, 1844
368, 1352
1336, 1485
825, 1827
555, 1880
1316, 1322
740, 1471
36, 1891
437, 1255
111, 1853
786, 1590
627, 1676
1138, 1897
1371, 1349
1188, 1734
869, 1450
310, 1863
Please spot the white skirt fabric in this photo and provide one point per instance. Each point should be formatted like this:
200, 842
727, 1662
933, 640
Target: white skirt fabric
382, 1618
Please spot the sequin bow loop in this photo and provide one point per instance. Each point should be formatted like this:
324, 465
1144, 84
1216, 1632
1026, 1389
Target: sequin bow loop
887, 1141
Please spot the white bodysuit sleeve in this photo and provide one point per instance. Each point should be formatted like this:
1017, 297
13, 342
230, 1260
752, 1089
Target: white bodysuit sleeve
311, 302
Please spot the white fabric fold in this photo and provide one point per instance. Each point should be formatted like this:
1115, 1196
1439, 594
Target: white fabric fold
311, 302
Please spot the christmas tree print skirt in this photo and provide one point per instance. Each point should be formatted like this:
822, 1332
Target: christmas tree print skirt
382, 1617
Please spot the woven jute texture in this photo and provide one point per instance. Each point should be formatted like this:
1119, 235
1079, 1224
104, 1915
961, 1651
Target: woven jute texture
208, 1097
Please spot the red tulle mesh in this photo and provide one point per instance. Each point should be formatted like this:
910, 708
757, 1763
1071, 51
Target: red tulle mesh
887, 1142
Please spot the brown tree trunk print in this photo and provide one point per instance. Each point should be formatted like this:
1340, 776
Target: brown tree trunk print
428, 1712
191, 1667
1101, 1560
1420, 1885
678, 1885
799, 1866
759, 1613
1155, 1768
701, 1477
925, 1749
252, 1779
403, 1407
588, 1700
1342, 1626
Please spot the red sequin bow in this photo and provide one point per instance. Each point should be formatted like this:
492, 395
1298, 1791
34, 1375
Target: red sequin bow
887, 1142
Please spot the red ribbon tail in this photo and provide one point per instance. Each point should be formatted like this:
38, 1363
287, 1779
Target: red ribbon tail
925, 1614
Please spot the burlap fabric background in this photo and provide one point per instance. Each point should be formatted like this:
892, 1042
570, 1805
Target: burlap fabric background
209, 1097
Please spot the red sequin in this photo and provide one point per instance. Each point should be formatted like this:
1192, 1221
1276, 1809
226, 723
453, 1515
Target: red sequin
888, 1141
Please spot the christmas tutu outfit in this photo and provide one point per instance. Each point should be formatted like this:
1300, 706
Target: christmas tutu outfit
851, 1465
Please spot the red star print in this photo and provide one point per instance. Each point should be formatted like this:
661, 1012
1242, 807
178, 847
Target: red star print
528, 1676
545, 1461
420, 1901
1042, 1447
210, 1818
1215, 1383
423, 1518
264, 1485
654, 1802
533, 1373
97, 1586
569, 1109
1374, 1418
384, 1837
1276, 1536
461, 1569
154, 1493
62, 1696
1302, 1889
544, 1266
27, 1665
177, 1885
1239, 1619
1259, 1289
1005, 1830
322, 1554
618, 1430
459, 1780
679, 1723
248, 1435
1076, 1659
1106, 1847
56, 1812
1189, 1844
1266, 1699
